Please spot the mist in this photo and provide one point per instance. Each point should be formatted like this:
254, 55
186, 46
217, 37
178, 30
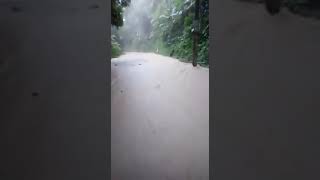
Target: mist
164, 27
136, 32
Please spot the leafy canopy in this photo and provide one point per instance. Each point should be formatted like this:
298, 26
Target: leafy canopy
117, 11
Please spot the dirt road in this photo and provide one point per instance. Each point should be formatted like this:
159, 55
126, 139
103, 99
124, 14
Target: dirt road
160, 118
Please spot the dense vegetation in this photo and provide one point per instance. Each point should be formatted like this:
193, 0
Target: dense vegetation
165, 27
116, 22
172, 29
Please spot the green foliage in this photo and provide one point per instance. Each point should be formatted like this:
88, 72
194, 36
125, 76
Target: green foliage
183, 46
115, 47
203, 52
115, 50
117, 21
116, 14
117, 11
170, 33
172, 25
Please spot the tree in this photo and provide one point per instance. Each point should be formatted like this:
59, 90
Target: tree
196, 32
117, 21
117, 10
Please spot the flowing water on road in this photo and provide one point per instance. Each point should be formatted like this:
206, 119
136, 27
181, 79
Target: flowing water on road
160, 118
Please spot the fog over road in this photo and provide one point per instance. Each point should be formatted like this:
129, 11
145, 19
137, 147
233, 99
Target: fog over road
159, 118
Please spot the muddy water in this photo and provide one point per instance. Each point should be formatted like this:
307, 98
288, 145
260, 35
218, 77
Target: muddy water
160, 118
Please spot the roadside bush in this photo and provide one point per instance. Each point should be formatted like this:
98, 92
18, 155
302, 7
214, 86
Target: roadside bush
115, 48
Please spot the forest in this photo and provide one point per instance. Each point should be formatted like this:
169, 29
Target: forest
160, 26
166, 26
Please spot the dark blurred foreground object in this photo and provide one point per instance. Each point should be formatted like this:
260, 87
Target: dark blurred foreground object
273, 6
306, 8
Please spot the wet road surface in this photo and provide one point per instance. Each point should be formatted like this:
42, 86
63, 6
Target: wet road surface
160, 118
